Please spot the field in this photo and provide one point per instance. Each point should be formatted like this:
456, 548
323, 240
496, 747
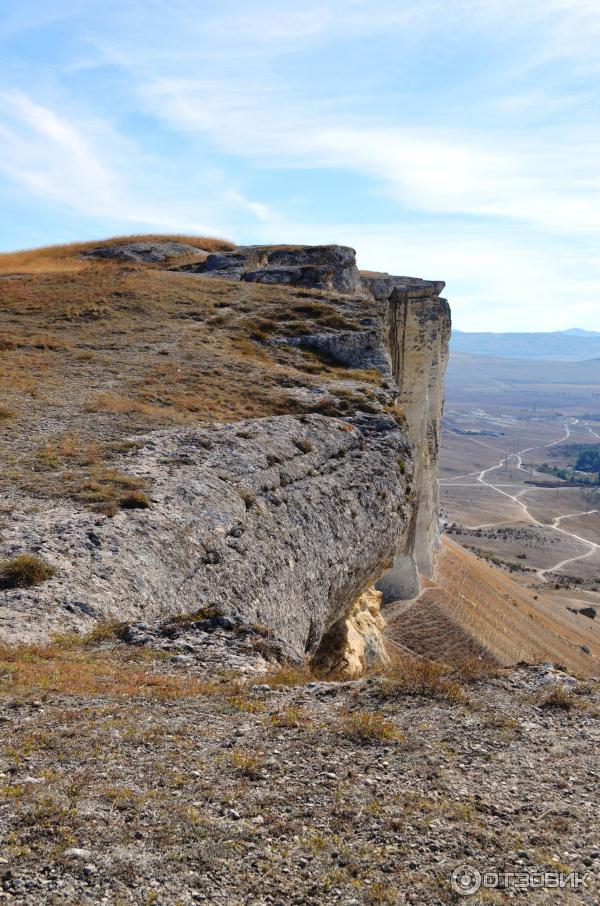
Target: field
534, 528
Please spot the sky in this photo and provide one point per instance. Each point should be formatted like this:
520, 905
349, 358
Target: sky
444, 139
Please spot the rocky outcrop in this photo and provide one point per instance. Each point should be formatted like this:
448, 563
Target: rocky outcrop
327, 267
144, 252
365, 350
280, 522
419, 333
355, 643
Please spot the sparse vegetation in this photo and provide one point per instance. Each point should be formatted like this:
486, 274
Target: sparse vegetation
369, 727
24, 571
560, 699
87, 339
134, 500
68, 258
419, 676
248, 764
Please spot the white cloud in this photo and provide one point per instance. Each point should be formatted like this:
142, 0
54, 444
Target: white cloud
495, 177
550, 180
88, 168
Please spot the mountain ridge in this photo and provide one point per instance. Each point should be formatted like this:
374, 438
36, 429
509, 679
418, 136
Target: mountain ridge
574, 344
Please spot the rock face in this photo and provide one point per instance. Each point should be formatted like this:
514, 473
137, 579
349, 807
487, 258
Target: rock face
355, 643
328, 267
282, 522
144, 252
419, 334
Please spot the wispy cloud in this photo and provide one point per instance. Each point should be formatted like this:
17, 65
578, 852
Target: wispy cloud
553, 184
452, 138
88, 168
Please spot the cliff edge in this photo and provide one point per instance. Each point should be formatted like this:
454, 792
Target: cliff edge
249, 434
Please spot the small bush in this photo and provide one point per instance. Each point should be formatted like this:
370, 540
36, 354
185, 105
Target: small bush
5, 413
368, 727
289, 718
560, 700
419, 677
24, 571
475, 669
134, 500
248, 765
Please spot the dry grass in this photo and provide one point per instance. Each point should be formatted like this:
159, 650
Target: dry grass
289, 718
368, 727
24, 571
248, 764
560, 699
134, 500
418, 676
69, 668
287, 676
67, 258
472, 608
117, 350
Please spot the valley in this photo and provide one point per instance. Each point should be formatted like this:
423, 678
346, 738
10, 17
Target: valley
539, 531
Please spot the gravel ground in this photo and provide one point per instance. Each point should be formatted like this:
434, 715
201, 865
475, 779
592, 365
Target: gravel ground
289, 791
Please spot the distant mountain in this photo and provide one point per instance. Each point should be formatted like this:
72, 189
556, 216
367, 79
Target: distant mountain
466, 370
567, 345
578, 332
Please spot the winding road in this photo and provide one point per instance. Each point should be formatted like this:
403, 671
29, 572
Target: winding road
516, 458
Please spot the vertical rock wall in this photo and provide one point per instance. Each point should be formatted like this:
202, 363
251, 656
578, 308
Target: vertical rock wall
419, 332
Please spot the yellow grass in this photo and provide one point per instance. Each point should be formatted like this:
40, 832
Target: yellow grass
113, 350
472, 608
72, 669
67, 258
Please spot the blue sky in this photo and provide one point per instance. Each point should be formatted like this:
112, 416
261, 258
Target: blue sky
447, 139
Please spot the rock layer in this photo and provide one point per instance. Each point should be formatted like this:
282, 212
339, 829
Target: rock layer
355, 643
283, 521
328, 267
419, 334
280, 522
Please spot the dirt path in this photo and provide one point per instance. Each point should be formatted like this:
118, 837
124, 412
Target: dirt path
516, 498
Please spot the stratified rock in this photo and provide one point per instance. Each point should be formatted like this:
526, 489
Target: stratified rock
364, 350
144, 252
326, 267
280, 521
419, 334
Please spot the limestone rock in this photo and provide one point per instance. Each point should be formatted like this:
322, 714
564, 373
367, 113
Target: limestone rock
355, 643
365, 350
277, 521
327, 267
419, 332
144, 252
280, 522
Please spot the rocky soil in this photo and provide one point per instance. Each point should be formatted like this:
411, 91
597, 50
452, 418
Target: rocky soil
277, 789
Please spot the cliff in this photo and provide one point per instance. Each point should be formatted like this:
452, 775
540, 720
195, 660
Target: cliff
268, 425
